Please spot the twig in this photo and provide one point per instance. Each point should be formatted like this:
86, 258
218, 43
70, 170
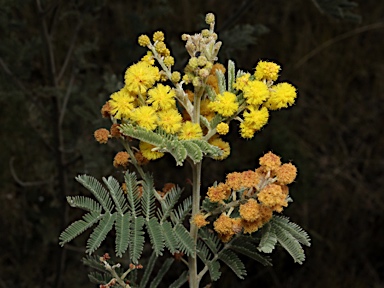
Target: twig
23, 183
70, 51
66, 98
336, 39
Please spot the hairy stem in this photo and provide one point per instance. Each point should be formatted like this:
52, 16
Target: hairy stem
192, 260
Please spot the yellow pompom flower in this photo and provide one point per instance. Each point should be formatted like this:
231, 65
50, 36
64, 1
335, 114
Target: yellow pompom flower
140, 77
190, 130
224, 146
225, 104
170, 120
121, 104
241, 81
169, 61
246, 130
146, 151
158, 36
256, 118
266, 70
145, 117
161, 97
160, 47
222, 128
148, 58
175, 76
256, 92
144, 40
282, 96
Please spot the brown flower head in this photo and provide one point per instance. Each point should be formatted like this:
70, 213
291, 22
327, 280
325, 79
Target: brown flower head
115, 131
272, 195
218, 193
199, 220
250, 210
101, 135
121, 159
106, 110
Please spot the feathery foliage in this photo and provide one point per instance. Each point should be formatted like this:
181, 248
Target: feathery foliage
233, 262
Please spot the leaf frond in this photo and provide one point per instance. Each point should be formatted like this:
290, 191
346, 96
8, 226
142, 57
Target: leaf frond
148, 198
160, 274
79, 226
233, 262
117, 194
84, 203
296, 231
156, 236
136, 239
210, 239
268, 239
97, 190
180, 281
100, 233
185, 241
182, 211
122, 225
132, 193
169, 237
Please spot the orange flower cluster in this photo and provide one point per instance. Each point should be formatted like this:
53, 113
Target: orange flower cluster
121, 159
262, 192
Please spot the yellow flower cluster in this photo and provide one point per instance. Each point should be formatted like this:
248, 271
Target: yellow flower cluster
261, 95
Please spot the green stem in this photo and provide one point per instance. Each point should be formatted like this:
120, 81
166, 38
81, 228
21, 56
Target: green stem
192, 260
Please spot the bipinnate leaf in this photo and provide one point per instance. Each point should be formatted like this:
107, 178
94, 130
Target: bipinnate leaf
214, 270
233, 262
136, 239
169, 237
268, 239
98, 235
79, 226
231, 75
296, 231
156, 236
97, 190
148, 198
132, 193
221, 81
122, 225
210, 239
169, 201
142, 134
245, 246
177, 216
84, 203
184, 239
148, 268
117, 194
160, 274
180, 281
193, 150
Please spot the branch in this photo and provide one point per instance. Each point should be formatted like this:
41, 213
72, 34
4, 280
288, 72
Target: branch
22, 183
336, 39
66, 98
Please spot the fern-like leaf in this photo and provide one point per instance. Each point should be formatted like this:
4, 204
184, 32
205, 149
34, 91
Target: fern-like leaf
268, 239
214, 270
193, 150
160, 274
79, 226
290, 244
231, 75
98, 235
93, 261
208, 149
169, 237
117, 194
177, 150
204, 121
233, 262
97, 190
244, 246
148, 198
221, 81
182, 211
180, 281
203, 251
185, 241
99, 278
123, 223
156, 236
148, 269
169, 202
210, 239
142, 134
294, 229
84, 203
132, 193
136, 239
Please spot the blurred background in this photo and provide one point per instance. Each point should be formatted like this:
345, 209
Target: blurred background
60, 61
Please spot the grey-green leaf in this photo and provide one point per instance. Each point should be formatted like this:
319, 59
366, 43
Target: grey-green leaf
123, 223
100, 233
233, 262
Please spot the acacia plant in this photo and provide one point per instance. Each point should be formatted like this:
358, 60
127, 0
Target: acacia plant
160, 111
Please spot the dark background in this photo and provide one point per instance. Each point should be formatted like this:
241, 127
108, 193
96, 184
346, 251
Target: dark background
59, 63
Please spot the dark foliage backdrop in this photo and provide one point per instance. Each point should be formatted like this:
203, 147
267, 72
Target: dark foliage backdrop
60, 60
